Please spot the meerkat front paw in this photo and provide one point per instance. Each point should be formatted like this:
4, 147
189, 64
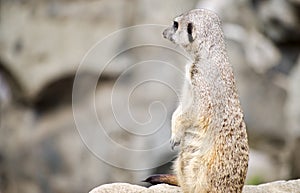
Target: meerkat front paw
175, 141
179, 126
176, 129
180, 123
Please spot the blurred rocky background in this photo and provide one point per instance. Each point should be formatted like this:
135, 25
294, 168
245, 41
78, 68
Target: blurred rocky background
43, 43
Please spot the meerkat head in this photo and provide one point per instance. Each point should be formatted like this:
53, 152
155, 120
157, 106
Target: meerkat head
195, 31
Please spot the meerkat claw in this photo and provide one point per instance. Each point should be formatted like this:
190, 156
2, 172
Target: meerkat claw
174, 143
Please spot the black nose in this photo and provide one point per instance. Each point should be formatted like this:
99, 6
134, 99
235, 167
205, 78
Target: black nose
164, 33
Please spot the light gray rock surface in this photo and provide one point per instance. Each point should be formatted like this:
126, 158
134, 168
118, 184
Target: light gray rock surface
48, 40
129, 188
292, 186
279, 28
293, 120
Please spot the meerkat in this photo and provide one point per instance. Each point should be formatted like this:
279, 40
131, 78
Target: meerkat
208, 124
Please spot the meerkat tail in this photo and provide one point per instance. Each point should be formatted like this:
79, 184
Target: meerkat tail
170, 179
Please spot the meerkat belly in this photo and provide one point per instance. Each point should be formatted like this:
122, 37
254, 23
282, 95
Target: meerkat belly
197, 142
194, 160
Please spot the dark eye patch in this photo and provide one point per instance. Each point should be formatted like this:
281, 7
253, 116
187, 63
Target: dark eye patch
190, 28
175, 25
190, 31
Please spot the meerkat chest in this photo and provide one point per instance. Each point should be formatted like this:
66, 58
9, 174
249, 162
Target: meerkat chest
188, 77
186, 93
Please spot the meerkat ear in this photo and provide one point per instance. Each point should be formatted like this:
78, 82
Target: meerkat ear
190, 32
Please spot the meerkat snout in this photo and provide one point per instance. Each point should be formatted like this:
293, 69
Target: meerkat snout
170, 31
168, 34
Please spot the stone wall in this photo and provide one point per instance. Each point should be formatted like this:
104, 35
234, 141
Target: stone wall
53, 50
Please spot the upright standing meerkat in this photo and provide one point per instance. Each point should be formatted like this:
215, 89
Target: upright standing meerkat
208, 123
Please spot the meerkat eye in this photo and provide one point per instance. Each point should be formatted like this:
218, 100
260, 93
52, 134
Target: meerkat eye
175, 25
190, 31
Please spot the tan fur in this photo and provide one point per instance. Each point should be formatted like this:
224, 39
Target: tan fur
208, 123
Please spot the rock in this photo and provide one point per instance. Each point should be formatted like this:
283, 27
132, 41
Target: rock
293, 103
40, 149
278, 28
231, 11
292, 186
119, 187
5, 92
292, 110
260, 52
129, 188
50, 39
295, 157
44, 43
296, 2
262, 167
